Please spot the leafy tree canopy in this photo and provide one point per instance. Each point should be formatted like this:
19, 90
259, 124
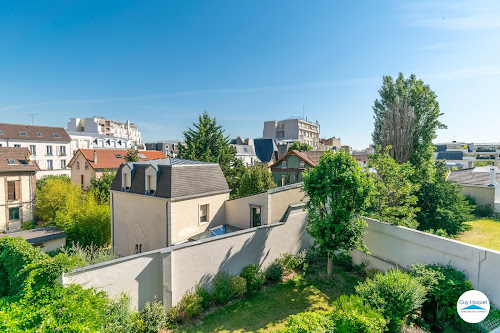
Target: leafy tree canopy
302, 146
131, 156
255, 179
102, 185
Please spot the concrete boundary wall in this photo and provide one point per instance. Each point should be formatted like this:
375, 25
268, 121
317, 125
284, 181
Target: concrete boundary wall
169, 273
392, 246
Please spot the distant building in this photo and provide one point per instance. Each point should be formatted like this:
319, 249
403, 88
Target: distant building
98, 141
463, 155
266, 151
291, 130
289, 168
93, 162
329, 144
47, 238
169, 148
361, 158
48, 146
103, 126
17, 187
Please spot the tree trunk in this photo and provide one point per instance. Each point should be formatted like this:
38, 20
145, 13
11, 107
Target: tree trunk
329, 267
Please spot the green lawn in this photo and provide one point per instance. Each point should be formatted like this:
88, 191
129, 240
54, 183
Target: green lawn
267, 310
485, 233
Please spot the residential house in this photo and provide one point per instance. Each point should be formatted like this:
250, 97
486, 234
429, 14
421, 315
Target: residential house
361, 157
47, 238
87, 163
245, 151
482, 183
49, 146
290, 130
169, 148
17, 187
332, 143
165, 202
98, 141
289, 168
101, 125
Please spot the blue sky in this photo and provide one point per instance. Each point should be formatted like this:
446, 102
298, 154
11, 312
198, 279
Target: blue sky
161, 63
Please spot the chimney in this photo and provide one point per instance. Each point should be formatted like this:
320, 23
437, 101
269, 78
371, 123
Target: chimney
493, 176
95, 157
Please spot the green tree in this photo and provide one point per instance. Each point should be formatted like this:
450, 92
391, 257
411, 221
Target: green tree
206, 142
338, 191
255, 179
442, 206
131, 156
394, 200
406, 118
302, 146
102, 185
41, 182
57, 195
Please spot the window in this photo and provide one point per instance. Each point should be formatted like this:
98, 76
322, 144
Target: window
82, 178
284, 165
302, 164
13, 189
118, 156
17, 146
245, 149
204, 213
126, 179
13, 213
283, 180
86, 165
63, 164
255, 217
292, 179
50, 166
11, 161
55, 135
38, 134
23, 133
62, 150
1, 133
78, 165
142, 156
49, 150
33, 149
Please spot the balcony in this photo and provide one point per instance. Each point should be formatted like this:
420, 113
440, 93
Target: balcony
486, 150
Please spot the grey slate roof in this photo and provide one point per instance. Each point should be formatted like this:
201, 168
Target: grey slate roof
440, 148
38, 236
264, 149
176, 178
240, 150
470, 178
450, 155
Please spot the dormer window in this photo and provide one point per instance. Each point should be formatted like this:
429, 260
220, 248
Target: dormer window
23, 133
302, 164
150, 181
38, 134
55, 135
284, 165
126, 178
1, 133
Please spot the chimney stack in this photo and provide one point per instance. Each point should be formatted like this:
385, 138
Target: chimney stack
493, 176
95, 157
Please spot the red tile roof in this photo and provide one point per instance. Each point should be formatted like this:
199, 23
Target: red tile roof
310, 157
108, 158
20, 159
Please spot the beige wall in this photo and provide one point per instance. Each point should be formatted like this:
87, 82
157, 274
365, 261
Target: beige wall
483, 195
280, 200
392, 245
148, 213
25, 202
76, 174
185, 216
238, 210
54, 244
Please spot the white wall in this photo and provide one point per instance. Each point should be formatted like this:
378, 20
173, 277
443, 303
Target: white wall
392, 245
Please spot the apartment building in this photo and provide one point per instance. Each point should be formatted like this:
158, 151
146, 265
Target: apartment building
463, 155
103, 126
168, 147
48, 146
17, 187
82, 140
291, 130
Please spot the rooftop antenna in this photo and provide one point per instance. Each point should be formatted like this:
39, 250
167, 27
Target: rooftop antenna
303, 114
33, 116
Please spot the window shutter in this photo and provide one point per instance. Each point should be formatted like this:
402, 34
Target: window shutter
18, 190
11, 190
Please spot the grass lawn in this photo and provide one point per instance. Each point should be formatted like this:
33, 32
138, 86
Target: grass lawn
485, 233
267, 310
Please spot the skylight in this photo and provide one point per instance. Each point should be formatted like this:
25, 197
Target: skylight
118, 156
1, 132
38, 134
55, 135
142, 156
23, 133
11, 161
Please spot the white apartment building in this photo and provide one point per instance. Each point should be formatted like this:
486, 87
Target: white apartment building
81, 140
462, 155
293, 130
48, 146
103, 126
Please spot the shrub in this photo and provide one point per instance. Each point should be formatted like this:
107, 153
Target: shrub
153, 316
293, 262
205, 294
191, 305
438, 232
351, 314
28, 225
371, 272
222, 287
122, 318
344, 261
238, 286
395, 294
309, 322
274, 272
90, 254
484, 210
254, 277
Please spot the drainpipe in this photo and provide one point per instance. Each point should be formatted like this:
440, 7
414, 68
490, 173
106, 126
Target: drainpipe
493, 176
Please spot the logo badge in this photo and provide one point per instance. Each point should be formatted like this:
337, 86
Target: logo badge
473, 306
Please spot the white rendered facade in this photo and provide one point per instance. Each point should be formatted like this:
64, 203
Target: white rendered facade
293, 130
80, 140
103, 126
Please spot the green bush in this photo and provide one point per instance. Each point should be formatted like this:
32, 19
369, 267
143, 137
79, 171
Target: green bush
293, 262
153, 316
484, 211
191, 305
222, 287
28, 225
438, 232
40, 183
309, 322
254, 277
274, 273
395, 294
238, 286
371, 272
205, 294
351, 314
90, 254
122, 318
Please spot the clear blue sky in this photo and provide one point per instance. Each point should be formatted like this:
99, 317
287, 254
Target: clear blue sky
161, 63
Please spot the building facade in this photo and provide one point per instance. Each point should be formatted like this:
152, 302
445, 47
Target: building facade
169, 148
98, 141
103, 126
49, 146
17, 188
463, 155
288, 169
292, 130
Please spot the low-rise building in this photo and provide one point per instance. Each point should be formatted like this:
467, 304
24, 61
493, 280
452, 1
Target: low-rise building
87, 163
169, 148
17, 187
47, 238
49, 146
289, 168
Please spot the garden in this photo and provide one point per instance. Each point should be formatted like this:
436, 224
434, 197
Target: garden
483, 232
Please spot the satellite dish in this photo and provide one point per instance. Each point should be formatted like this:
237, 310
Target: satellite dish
32, 158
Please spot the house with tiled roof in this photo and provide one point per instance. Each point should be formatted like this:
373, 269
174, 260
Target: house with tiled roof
87, 163
289, 168
17, 187
49, 146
